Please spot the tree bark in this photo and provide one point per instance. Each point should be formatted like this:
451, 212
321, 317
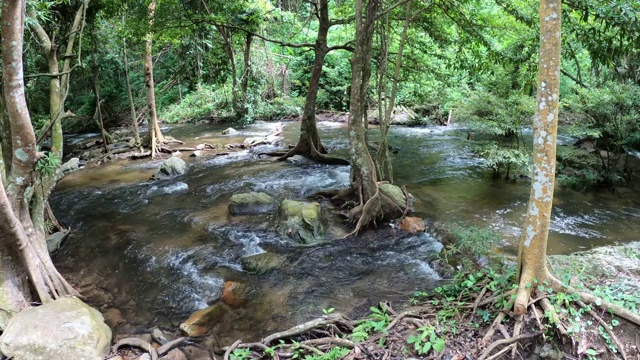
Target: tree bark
16, 226
96, 90
58, 91
363, 169
532, 264
309, 144
383, 159
155, 135
134, 117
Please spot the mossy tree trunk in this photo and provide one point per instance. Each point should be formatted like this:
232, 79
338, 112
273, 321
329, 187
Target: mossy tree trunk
25, 245
363, 169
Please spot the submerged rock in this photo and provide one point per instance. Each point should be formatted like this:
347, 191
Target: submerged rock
230, 131
63, 329
301, 221
252, 203
235, 293
201, 321
173, 166
262, 263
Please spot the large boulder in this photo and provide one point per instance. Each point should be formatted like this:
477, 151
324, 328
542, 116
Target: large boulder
301, 221
252, 203
173, 166
63, 329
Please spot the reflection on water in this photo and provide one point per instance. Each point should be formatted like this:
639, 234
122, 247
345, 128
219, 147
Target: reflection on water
169, 245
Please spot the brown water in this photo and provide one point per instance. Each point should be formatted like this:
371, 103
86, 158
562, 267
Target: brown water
165, 248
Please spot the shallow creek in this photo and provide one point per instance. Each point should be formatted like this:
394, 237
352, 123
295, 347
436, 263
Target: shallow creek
163, 249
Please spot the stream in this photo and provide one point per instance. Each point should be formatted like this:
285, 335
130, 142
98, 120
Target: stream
159, 250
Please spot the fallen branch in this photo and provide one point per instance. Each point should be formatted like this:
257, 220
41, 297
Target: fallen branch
508, 341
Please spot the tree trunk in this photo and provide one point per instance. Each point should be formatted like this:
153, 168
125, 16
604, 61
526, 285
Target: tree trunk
58, 91
134, 116
309, 144
16, 226
383, 159
96, 90
532, 264
363, 169
155, 135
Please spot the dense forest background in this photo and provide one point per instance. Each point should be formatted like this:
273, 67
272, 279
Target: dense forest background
248, 60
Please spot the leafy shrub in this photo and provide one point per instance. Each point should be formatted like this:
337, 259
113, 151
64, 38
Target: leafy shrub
496, 116
204, 101
504, 161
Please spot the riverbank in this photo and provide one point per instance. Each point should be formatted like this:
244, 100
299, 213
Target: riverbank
450, 321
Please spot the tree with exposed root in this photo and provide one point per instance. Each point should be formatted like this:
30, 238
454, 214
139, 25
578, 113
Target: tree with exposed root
155, 135
309, 143
532, 267
22, 247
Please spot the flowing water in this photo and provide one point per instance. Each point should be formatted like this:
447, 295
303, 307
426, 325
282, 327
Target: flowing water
163, 249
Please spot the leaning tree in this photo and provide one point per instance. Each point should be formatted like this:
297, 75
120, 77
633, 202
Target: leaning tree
22, 247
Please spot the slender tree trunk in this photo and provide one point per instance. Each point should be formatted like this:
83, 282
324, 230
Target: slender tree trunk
363, 169
309, 142
532, 264
96, 90
246, 76
16, 226
58, 91
155, 135
227, 37
132, 105
383, 158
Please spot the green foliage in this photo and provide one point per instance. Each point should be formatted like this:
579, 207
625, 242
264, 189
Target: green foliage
204, 101
377, 322
504, 161
334, 354
470, 241
48, 164
241, 354
495, 115
426, 341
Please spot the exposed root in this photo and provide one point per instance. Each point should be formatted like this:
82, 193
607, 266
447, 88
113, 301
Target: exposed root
302, 328
508, 341
137, 343
607, 328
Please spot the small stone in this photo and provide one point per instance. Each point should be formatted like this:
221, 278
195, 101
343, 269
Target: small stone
196, 153
412, 224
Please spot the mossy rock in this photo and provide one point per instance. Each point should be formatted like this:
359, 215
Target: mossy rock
252, 203
301, 221
263, 263
396, 195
